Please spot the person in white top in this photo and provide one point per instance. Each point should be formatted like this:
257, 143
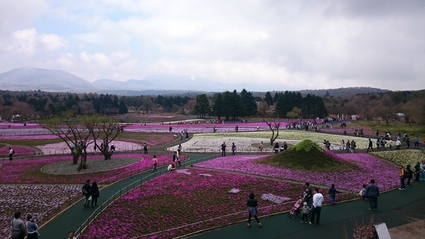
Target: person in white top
317, 207
71, 235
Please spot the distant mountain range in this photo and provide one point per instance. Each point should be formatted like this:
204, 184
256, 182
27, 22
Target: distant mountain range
28, 78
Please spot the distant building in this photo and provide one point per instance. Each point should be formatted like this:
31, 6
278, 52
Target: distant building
16, 118
400, 116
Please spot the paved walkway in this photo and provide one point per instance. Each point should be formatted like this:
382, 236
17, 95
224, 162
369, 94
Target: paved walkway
395, 208
74, 217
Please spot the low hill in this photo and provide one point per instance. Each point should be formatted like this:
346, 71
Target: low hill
307, 155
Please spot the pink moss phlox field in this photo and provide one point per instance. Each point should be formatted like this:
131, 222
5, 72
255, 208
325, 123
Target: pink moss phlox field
19, 151
7, 125
28, 137
165, 138
38, 200
176, 204
370, 167
199, 127
28, 171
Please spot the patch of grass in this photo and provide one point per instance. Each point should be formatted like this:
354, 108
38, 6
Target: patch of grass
307, 155
141, 136
394, 127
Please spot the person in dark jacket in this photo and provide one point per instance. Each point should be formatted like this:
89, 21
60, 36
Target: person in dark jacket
417, 171
372, 193
87, 193
94, 194
408, 174
252, 209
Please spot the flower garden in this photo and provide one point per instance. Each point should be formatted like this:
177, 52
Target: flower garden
208, 195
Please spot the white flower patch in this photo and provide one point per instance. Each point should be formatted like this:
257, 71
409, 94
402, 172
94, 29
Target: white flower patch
205, 174
249, 141
62, 147
234, 190
183, 171
274, 198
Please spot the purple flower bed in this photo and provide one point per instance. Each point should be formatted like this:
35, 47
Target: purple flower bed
28, 171
19, 151
385, 174
183, 202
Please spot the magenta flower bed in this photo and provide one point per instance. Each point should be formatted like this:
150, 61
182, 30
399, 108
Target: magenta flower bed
28, 171
19, 151
165, 138
385, 174
176, 204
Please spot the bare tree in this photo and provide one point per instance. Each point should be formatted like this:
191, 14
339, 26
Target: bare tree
274, 126
74, 132
105, 130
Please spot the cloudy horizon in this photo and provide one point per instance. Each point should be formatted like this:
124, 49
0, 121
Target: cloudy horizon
260, 44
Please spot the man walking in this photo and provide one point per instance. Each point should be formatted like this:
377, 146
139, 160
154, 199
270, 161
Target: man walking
370, 146
317, 207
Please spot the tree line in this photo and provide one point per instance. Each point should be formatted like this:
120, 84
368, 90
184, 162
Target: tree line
227, 105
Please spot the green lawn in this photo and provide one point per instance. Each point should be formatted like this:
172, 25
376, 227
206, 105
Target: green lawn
395, 127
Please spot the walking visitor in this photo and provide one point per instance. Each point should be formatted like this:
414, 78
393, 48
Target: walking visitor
252, 209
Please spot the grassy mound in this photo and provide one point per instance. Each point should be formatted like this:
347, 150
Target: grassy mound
307, 155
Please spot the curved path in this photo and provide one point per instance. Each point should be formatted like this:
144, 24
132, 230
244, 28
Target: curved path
395, 208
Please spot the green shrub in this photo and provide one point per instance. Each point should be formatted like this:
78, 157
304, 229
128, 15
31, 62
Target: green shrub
307, 155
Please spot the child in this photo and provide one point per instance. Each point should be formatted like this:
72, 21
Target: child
305, 210
332, 194
362, 192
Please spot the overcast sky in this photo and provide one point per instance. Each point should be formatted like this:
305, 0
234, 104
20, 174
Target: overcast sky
261, 45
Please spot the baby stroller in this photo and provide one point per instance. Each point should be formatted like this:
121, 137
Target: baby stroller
295, 211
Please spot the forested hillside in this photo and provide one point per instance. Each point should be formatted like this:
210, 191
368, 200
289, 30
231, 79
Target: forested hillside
402, 105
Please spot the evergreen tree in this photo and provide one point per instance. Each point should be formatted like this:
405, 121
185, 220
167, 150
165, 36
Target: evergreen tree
202, 107
268, 98
218, 106
248, 101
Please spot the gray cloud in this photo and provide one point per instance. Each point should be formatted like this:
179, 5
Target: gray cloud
263, 45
